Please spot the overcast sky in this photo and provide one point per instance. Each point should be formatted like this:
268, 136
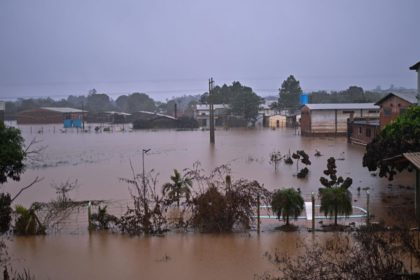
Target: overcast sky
169, 48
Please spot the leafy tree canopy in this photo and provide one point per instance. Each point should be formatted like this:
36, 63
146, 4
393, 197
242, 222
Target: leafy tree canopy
289, 93
12, 154
398, 137
243, 101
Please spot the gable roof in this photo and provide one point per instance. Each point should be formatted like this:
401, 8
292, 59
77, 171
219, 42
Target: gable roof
341, 106
415, 66
409, 97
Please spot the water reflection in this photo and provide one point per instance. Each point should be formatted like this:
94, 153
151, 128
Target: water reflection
99, 160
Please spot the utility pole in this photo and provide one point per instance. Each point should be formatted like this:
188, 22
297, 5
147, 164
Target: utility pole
211, 108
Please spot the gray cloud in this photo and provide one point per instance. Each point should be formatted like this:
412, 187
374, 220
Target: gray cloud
168, 48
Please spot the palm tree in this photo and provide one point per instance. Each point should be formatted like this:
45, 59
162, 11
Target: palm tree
287, 202
335, 200
180, 186
27, 222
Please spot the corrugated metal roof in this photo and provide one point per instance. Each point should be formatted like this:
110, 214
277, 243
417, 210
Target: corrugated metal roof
342, 106
117, 113
63, 109
215, 106
409, 97
414, 158
157, 114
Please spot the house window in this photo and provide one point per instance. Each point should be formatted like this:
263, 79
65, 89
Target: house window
348, 112
387, 112
368, 132
360, 130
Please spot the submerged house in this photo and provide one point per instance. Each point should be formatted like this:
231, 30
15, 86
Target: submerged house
331, 119
202, 114
50, 115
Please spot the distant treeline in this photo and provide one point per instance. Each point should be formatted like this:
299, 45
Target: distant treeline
353, 94
98, 102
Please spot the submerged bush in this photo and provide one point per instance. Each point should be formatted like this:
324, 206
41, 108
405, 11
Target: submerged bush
5, 212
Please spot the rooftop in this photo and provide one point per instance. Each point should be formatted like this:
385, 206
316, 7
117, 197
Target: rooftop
63, 109
414, 158
342, 106
215, 106
415, 66
409, 97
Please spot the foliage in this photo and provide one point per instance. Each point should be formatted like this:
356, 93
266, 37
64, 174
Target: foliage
289, 94
62, 190
335, 196
287, 203
147, 216
243, 101
135, 102
300, 155
398, 137
102, 220
186, 122
362, 255
27, 222
142, 124
12, 154
97, 102
179, 187
223, 207
353, 94
5, 212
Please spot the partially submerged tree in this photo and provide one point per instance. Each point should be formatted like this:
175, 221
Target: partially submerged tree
147, 215
335, 196
275, 159
400, 136
289, 93
102, 220
287, 203
27, 221
300, 155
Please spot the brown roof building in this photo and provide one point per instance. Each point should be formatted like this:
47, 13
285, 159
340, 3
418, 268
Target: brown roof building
49, 115
393, 104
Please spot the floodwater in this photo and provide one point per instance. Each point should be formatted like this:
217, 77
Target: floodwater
98, 160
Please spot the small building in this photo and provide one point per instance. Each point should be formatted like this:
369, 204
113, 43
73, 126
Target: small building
331, 119
393, 104
277, 121
361, 131
2, 109
50, 115
202, 114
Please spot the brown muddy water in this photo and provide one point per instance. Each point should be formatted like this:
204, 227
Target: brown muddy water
98, 160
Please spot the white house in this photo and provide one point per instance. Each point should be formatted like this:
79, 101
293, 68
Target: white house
202, 114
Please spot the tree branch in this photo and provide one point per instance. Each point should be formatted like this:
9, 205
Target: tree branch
35, 181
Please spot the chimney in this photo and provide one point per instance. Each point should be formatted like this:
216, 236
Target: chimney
416, 67
175, 110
